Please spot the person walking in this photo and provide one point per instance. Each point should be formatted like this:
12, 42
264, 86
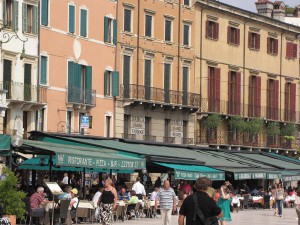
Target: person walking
224, 204
167, 200
107, 202
279, 199
200, 208
297, 205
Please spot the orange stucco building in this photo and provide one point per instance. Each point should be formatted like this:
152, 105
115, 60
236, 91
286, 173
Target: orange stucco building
77, 65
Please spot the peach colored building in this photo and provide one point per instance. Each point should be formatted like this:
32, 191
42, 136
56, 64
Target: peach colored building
77, 64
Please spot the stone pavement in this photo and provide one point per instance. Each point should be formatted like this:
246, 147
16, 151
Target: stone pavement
245, 217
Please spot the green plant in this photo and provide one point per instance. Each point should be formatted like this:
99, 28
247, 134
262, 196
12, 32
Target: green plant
254, 126
238, 123
288, 130
212, 121
10, 197
290, 138
273, 129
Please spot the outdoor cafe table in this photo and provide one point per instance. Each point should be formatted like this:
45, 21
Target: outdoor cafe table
122, 205
254, 199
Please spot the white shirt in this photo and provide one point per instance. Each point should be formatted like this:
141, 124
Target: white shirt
153, 196
65, 180
75, 202
139, 188
96, 198
235, 200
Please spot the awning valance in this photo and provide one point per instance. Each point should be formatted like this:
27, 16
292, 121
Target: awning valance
192, 172
76, 156
290, 176
5, 146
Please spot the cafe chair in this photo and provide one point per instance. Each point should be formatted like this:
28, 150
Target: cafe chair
137, 211
31, 214
246, 201
63, 210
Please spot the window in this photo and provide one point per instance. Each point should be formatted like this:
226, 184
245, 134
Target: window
147, 78
290, 102
272, 45
186, 34
10, 14
126, 125
254, 107
212, 30
110, 30
272, 99
127, 20
167, 128
147, 128
168, 30
44, 12
148, 25
111, 83
253, 41
167, 81
27, 82
69, 122
83, 22
234, 93
185, 79
291, 50
214, 89
79, 123
186, 2
108, 126
44, 69
233, 36
40, 115
71, 19
126, 75
30, 22
7, 66
185, 131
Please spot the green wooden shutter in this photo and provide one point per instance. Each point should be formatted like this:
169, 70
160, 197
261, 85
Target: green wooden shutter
44, 62
4, 13
83, 21
126, 76
15, 24
106, 82
7, 77
24, 14
115, 83
88, 85
27, 82
70, 80
147, 78
34, 20
77, 76
106, 21
115, 40
45, 4
185, 79
71, 19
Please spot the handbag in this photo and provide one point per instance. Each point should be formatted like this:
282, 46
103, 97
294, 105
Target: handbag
198, 212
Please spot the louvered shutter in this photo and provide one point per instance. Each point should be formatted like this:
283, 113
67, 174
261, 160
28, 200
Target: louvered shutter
293, 102
288, 49
77, 90
217, 88
229, 35
276, 100
106, 21
70, 81
27, 82
207, 35
210, 90
216, 33
167, 70
250, 40
43, 78
4, 13
147, 79
106, 83
230, 93
126, 75
34, 20
15, 22
250, 97
44, 9
71, 19
115, 32
83, 22
185, 78
295, 51
7, 77
257, 42
258, 96
268, 45
238, 94
115, 83
88, 85
24, 14
237, 40
276, 46
269, 102
286, 101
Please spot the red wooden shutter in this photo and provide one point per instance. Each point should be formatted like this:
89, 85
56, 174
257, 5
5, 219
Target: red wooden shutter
269, 104
216, 33
258, 96
257, 42
210, 89
237, 37
293, 102
218, 87
289, 47
276, 46
286, 102
207, 29
250, 100
268, 45
249, 39
276, 99
295, 51
228, 35
238, 94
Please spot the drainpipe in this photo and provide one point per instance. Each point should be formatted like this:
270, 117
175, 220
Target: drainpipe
201, 57
280, 75
116, 67
39, 58
138, 50
179, 39
244, 69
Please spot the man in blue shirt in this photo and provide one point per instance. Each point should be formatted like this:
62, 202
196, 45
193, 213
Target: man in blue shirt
123, 195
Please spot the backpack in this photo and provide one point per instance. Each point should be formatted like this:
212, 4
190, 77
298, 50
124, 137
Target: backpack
198, 212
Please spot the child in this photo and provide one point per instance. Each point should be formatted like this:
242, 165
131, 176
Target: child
235, 202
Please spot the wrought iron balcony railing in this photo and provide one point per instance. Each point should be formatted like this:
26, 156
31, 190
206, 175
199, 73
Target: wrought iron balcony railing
24, 92
81, 96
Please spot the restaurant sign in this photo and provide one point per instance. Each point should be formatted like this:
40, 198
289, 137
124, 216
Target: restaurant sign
291, 178
273, 176
248, 176
191, 175
177, 128
137, 125
94, 162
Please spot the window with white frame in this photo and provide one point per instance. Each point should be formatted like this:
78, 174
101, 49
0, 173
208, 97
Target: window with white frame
30, 18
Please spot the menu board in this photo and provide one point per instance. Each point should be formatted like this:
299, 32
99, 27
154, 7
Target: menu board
54, 188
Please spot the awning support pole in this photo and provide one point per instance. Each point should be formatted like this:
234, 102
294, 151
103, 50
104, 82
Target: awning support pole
50, 167
83, 184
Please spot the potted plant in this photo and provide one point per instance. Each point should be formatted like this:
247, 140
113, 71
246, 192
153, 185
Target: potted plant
236, 126
273, 130
254, 126
10, 198
288, 132
211, 123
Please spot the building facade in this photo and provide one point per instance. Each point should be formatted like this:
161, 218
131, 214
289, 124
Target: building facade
77, 65
19, 65
248, 70
156, 58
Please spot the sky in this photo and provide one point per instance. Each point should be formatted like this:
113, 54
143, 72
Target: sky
250, 4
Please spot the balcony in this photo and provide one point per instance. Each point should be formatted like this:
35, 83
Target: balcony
81, 96
221, 106
158, 95
24, 92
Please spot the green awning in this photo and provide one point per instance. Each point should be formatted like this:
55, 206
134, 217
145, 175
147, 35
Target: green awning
253, 173
5, 147
76, 156
290, 176
191, 172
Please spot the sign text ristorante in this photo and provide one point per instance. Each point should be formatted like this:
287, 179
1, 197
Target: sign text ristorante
94, 162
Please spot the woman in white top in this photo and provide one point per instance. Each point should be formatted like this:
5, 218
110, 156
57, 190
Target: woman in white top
74, 201
297, 203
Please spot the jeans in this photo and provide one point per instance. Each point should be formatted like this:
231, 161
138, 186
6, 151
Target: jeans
279, 206
166, 216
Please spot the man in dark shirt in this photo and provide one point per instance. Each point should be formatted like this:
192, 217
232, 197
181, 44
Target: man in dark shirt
206, 204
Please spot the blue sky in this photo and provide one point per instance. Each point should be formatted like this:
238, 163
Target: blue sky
250, 4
